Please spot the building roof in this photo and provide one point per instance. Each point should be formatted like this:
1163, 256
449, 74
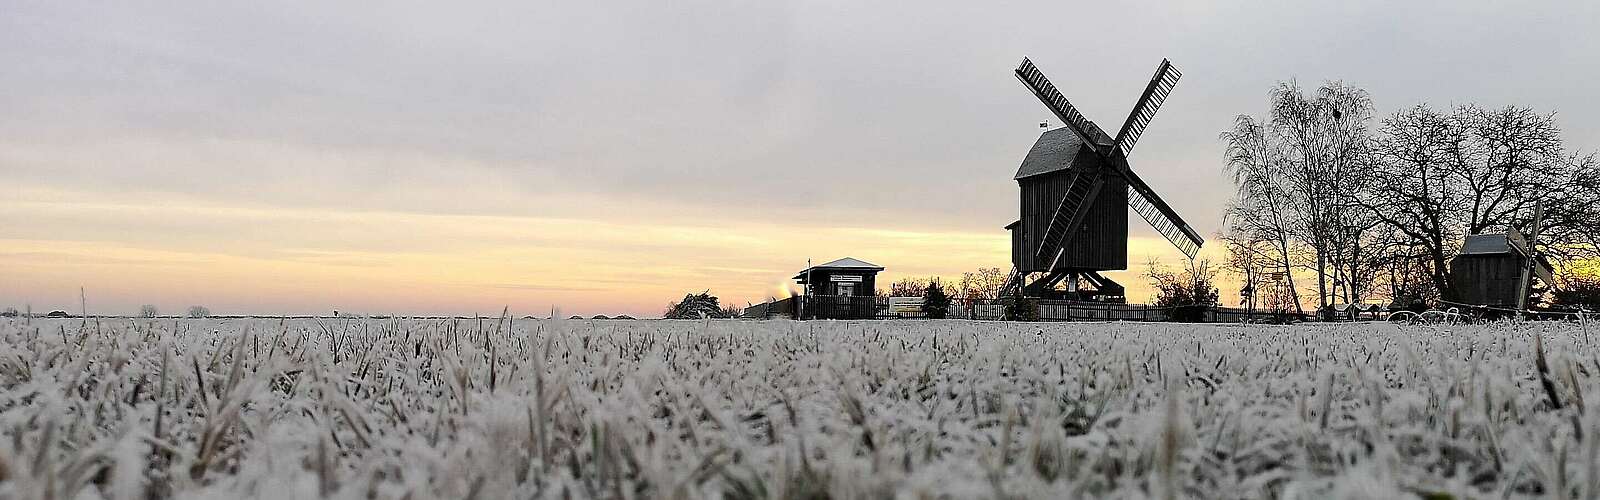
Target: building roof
1486, 244
845, 264
1054, 151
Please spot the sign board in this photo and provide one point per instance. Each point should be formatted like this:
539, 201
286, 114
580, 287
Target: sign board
844, 278
905, 305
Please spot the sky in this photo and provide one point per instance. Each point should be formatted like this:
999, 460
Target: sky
607, 157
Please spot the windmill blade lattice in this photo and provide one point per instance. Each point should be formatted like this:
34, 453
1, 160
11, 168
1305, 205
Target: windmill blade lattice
1155, 93
1149, 206
1093, 138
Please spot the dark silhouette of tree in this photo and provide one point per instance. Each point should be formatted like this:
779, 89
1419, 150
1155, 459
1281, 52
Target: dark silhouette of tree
985, 283
1368, 212
935, 303
1297, 173
908, 287
1446, 175
1579, 292
1192, 286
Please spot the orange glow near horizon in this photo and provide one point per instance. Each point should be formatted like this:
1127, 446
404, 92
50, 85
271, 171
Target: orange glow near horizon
302, 261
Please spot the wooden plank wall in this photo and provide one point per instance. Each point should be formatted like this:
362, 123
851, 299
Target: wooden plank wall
1486, 280
1101, 245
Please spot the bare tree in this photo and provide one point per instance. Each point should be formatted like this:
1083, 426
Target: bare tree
1318, 191
1406, 278
1572, 219
1325, 141
1191, 286
199, 312
908, 287
985, 283
1415, 195
1261, 209
1442, 177
148, 311
1506, 164
1250, 258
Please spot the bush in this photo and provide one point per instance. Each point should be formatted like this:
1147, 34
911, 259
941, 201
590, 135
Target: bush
199, 312
1192, 287
1188, 313
10, 312
697, 306
1580, 293
935, 303
1019, 308
148, 311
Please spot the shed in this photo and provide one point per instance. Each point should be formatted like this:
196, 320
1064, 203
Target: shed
842, 289
847, 277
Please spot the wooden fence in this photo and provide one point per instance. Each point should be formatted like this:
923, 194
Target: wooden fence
839, 307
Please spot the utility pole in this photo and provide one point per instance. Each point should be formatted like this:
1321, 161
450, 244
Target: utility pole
805, 293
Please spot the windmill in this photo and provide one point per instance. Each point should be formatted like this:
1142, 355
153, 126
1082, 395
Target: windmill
1495, 270
1076, 184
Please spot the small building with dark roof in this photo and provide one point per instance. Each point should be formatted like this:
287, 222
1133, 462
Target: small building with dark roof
842, 289
1488, 269
844, 277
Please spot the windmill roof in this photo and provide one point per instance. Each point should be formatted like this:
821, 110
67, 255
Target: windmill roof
1486, 244
1054, 151
846, 263
1512, 243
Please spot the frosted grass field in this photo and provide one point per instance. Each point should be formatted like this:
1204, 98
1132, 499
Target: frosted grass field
133, 409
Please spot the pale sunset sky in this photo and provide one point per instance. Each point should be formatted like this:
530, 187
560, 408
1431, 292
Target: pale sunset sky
607, 157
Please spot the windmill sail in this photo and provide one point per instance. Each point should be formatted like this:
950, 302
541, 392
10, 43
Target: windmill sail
1093, 138
1534, 264
1154, 210
1155, 93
